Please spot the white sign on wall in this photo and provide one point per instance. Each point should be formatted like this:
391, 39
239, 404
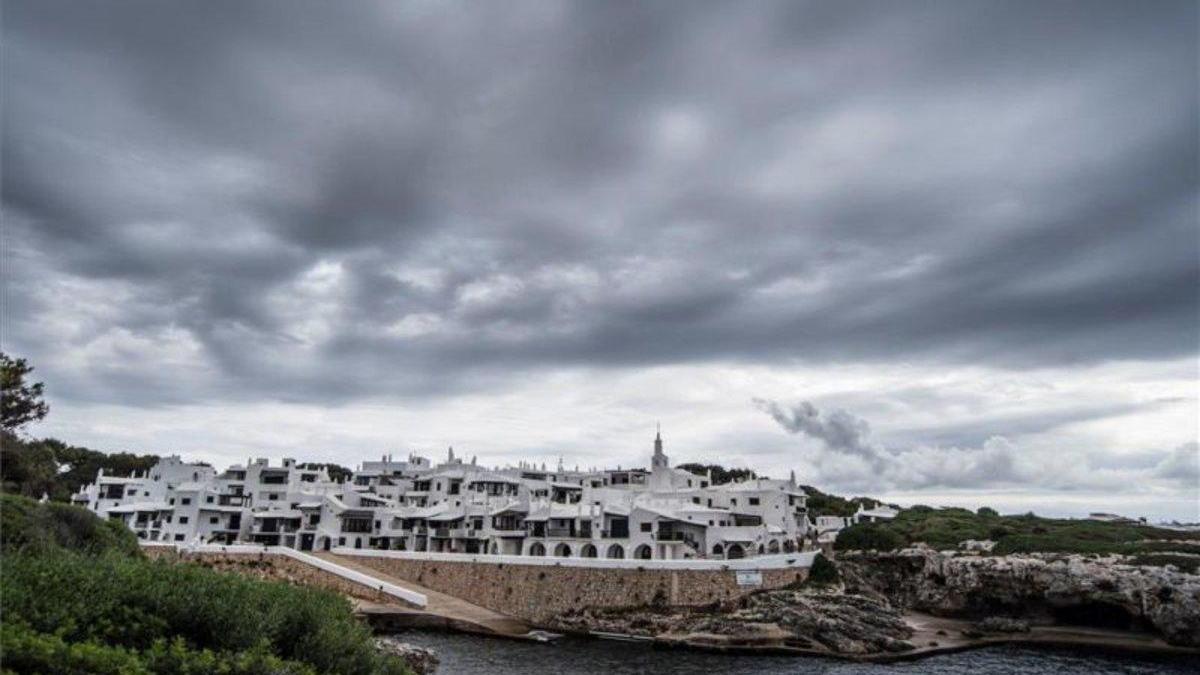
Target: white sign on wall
749, 577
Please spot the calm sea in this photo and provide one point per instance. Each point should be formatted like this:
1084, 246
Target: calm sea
470, 655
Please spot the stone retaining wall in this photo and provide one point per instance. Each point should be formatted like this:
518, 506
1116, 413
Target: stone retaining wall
274, 567
536, 593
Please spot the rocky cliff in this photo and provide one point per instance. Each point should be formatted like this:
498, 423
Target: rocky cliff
822, 621
1075, 589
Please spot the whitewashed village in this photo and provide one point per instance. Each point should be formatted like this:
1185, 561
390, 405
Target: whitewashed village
459, 506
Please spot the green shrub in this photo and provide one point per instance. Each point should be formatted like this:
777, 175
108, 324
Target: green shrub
136, 604
823, 572
986, 512
28, 651
868, 537
27, 525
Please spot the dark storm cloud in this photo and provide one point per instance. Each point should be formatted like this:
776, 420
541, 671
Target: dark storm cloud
321, 201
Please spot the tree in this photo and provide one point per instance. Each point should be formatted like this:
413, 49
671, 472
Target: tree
720, 475
20, 402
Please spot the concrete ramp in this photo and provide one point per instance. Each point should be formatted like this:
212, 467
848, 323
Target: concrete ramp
440, 609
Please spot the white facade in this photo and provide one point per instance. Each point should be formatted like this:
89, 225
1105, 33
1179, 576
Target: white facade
460, 507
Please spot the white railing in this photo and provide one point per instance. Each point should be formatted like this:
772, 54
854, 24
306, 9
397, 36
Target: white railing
367, 580
762, 562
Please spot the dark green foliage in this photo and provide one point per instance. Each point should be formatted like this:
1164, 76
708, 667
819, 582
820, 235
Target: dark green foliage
823, 572
720, 475
27, 651
138, 604
336, 472
26, 525
58, 470
822, 504
868, 537
20, 400
986, 512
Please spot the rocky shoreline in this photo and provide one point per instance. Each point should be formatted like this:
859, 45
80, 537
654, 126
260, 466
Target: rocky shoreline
1040, 589
917, 602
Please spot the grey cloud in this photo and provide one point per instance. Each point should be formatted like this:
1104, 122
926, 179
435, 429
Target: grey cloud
840, 431
1182, 465
670, 183
849, 459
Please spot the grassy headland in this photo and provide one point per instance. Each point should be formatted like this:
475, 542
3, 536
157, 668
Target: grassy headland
946, 528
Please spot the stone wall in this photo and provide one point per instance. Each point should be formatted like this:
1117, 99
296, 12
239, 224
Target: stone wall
275, 567
536, 593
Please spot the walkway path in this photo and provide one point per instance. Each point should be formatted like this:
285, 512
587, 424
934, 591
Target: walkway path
462, 614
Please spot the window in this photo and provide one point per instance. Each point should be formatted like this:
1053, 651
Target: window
646, 527
179, 537
733, 501
183, 520
341, 541
273, 497
695, 500
208, 499
172, 501
214, 520
185, 501
754, 501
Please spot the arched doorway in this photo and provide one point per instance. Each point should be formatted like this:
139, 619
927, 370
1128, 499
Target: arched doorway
537, 549
642, 552
615, 551
718, 551
789, 546
735, 551
589, 551
773, 547
761, 549
495, 548
562, 551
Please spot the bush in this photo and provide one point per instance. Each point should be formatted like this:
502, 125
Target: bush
868, 537
116, 601
27, 651
823, 572
27, 525
987, 512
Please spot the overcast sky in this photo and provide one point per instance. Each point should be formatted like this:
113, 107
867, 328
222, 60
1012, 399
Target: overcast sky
945, 252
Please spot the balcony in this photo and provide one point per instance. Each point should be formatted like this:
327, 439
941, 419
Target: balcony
667, 535
442, 532
560, 532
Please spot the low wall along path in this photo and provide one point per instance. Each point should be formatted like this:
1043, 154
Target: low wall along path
499, 594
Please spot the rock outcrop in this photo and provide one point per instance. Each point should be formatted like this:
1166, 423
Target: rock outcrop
825, 621
420, 660
1038, 587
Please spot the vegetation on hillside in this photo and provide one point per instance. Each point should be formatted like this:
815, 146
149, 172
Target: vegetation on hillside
823, 504
80, 597
946, 528
35, 528
50, 467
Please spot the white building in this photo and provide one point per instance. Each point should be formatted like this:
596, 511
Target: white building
460, 507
